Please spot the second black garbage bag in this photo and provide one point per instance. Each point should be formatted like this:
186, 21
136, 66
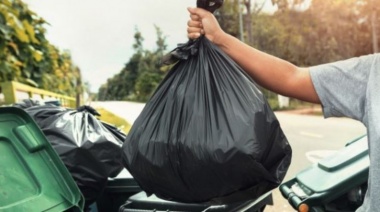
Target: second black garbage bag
207, 134
89, 148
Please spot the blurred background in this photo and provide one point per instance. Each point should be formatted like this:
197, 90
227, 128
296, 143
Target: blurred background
96, 50
108, 53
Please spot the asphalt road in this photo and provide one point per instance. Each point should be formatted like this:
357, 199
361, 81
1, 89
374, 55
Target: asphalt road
311, 138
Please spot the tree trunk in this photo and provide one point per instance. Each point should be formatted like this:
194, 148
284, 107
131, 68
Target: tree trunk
78, 89
374, 32
248, 21
241, 28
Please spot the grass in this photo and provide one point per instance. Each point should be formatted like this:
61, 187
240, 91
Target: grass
113, 119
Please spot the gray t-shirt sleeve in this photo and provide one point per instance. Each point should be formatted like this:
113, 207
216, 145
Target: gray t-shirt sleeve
342, 86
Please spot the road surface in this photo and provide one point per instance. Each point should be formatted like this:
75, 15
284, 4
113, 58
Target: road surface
311, 138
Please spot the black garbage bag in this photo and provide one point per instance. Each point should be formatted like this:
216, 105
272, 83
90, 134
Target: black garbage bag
207, 134
26, 103
90, 149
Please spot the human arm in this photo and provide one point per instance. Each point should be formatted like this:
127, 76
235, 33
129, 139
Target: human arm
270, 72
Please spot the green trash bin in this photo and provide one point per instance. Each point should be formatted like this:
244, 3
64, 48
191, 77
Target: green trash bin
336, 183
32, 176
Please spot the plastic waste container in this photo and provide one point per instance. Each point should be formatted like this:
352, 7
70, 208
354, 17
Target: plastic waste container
336, 183
141, 202
117, 191
32, 176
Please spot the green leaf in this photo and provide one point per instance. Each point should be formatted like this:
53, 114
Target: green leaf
2, 47
6, 31
12, 71
37, 55
30, 30
26, 73
37, 75
15, 23
2, 19
15, 61
31, 83
14, 47
6, 3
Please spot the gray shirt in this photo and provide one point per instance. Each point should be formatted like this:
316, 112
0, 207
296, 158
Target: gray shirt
351, 88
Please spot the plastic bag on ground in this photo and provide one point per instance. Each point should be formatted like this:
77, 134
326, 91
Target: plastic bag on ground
207, 134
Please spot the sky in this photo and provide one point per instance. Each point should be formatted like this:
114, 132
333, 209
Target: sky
99, 34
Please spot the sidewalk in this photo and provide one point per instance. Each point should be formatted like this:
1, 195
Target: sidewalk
316, 110
126, 110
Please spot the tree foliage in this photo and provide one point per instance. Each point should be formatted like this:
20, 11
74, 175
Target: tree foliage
27, 56
323, 32
326, 31
141, 74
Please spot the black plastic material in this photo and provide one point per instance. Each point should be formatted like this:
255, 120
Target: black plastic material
117, 191
26, 103
90, 149
186, 50
207, 134
210, 5
142, 203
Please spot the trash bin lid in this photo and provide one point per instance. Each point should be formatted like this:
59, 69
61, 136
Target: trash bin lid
348, 165
32, 176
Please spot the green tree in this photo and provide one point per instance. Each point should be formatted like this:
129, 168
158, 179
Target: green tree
150, 70
228, 17
146, 84
27, 56
141, 74
326, 31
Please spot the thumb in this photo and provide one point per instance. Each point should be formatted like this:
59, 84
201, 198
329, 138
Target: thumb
198, 11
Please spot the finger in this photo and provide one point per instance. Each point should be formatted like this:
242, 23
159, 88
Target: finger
191, 23
194, 35
198, 11
195, 17
191, 30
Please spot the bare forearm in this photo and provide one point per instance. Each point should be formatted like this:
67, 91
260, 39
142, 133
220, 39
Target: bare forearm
265, 69
270, 72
